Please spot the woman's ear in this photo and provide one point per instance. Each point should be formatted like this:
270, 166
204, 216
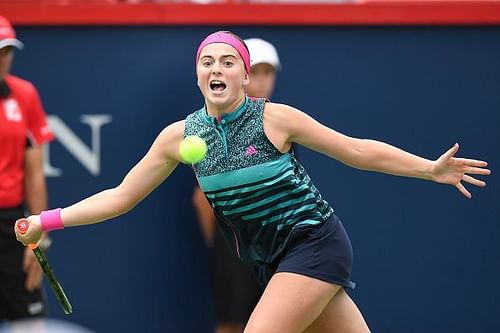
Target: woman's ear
246, 80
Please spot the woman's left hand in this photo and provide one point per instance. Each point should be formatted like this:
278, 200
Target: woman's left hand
452, 170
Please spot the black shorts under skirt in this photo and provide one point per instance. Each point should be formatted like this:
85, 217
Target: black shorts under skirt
320, 251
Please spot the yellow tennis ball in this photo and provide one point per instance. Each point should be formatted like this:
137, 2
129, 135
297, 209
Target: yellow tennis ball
192, 149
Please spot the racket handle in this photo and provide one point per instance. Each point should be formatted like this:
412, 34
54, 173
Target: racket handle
22, 226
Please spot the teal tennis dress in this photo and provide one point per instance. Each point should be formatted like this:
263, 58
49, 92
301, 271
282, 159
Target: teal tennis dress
267, 208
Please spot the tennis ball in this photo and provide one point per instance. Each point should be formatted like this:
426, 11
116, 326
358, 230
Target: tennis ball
192, 149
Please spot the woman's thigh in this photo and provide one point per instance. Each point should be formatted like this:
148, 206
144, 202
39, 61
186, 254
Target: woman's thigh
290, 303
341, 315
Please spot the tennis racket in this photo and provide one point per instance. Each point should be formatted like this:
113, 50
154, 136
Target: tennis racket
23, 225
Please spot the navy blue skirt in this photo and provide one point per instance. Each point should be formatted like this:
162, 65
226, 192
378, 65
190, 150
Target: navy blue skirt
320, 251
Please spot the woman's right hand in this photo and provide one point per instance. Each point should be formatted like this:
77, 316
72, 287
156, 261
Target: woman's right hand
30, 235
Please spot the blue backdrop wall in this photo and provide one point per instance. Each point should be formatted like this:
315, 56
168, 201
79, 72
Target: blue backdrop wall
426, 258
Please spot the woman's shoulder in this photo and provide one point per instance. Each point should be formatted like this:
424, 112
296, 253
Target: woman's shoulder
283, 118
169, 139
173, 131
279, 111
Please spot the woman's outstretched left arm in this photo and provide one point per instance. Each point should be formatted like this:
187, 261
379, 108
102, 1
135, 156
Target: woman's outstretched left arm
292, 125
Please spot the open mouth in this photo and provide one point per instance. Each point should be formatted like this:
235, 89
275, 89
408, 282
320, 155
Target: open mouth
217, 86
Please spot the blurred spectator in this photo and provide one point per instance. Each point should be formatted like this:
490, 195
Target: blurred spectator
23, 131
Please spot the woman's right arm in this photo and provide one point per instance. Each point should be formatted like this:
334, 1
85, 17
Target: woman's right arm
158, 163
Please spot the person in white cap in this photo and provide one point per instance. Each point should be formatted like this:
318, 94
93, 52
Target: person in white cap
23, 131
265, 62
235, 288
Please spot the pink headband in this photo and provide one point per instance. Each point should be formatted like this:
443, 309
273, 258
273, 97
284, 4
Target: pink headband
229, 39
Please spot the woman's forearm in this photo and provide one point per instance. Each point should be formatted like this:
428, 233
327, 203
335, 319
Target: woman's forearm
97, 208
379, 156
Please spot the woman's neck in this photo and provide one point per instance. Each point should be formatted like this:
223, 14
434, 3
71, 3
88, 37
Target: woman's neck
215, 110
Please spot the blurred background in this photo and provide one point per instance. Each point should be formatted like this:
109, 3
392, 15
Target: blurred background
421, 75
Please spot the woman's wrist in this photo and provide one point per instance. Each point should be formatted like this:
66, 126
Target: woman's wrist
431, 170
51, 220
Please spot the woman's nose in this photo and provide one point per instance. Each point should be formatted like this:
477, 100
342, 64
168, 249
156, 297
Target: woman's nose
216, 68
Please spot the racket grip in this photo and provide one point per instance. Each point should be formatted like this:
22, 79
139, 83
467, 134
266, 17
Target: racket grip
22, 226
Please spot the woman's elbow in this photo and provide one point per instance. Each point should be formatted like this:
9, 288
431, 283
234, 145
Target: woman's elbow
124, 201
355, 156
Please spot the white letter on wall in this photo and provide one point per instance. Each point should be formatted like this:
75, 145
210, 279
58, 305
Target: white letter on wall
90, 158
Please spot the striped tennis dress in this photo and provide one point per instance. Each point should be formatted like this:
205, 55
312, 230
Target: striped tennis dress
259, 195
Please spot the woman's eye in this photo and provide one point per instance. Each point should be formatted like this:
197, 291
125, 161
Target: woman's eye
207, 63
228, 63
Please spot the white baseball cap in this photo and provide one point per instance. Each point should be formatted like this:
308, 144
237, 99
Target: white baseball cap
262, 51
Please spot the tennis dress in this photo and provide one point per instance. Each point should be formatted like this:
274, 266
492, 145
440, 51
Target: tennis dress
267, 208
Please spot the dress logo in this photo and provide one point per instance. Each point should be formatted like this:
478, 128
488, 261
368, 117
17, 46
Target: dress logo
251, 150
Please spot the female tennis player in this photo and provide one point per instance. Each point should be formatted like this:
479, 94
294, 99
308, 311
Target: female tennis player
271, 214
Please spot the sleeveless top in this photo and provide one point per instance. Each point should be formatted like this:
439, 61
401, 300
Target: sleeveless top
259, 195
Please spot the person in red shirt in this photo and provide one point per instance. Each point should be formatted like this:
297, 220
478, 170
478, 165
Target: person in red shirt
23, 131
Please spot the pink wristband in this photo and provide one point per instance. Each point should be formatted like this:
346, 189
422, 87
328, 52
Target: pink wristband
51, 220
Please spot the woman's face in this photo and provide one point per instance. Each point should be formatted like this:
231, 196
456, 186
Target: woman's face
221, 76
